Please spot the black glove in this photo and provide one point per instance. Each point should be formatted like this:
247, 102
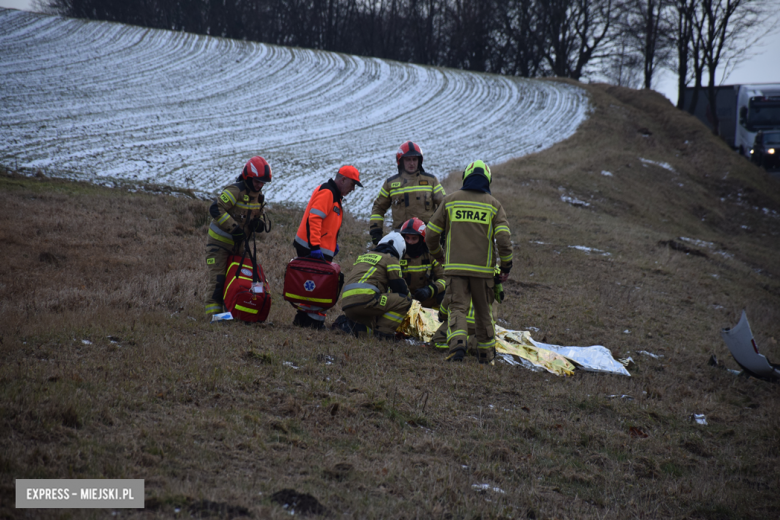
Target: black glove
376, 235
423, 294
238, 234
257, 225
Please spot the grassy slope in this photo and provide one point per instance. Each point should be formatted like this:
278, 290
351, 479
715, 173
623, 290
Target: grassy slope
212, 413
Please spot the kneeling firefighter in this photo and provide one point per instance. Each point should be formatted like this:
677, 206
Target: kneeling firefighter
236, 214
375, 297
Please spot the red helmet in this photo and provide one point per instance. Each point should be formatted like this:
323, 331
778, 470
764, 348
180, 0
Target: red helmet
408, 149
413, 226
256, 168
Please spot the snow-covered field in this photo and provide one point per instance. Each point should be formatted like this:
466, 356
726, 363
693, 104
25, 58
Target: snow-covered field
104, 100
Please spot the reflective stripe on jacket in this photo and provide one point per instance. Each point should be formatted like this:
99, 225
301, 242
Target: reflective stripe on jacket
410, 195
423, 271
321, 221
231, 211
370, 277
471, 222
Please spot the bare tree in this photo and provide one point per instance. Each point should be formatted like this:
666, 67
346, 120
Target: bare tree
573, 33
726, 30
517, 47
684, 13
646, 25
624, 66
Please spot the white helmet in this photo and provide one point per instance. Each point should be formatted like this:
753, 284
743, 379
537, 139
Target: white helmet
396, 240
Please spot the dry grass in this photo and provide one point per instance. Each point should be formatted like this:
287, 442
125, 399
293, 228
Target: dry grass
225, 420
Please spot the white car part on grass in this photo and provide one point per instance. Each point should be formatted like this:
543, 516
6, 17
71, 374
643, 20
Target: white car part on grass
739, 340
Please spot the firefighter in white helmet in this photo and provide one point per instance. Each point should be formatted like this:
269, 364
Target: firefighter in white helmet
375, 297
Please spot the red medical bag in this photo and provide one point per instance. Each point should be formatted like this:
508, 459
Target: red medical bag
246, 295
312, 284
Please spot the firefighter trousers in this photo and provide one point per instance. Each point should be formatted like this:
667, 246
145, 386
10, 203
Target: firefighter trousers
478, 292
383, 314
216, 263
439, 339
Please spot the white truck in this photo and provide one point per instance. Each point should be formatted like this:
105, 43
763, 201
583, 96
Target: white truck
742, 111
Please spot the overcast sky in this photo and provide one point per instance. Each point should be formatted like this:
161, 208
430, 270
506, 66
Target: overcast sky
762, 66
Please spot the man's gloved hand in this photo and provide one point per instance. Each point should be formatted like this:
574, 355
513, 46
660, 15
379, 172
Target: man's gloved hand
504, 276
376, 235
257, 225
238, 234
316, 253
336, 251
423, 294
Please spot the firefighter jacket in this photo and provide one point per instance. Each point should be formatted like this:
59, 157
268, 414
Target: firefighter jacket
423, 271
470, 221
372, 275
231, 211
321, 221
409, 195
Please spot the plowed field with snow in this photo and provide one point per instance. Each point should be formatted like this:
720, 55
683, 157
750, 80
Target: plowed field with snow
104, 100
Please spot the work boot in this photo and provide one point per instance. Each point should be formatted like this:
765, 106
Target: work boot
486, 355
304, 320
344, 324
456, 355
457, 351
383, 335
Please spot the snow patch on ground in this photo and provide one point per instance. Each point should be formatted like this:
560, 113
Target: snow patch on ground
590, 250
574, 201
665, 166
696, 242
102, 101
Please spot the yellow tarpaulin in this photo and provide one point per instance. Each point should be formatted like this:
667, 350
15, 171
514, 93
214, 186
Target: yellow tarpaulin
422, 323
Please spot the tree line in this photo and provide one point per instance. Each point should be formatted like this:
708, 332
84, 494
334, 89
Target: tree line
625, 42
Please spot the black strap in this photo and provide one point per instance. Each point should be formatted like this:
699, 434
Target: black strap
252, 255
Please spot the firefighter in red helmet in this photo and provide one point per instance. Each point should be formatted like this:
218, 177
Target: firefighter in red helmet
236, 214
423, 274
412, 192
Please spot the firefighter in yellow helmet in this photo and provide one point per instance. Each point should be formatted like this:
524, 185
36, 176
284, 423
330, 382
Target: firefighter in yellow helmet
412, 192
236, 214
474, 224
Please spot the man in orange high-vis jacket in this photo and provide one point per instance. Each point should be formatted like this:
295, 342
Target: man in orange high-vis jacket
318, 233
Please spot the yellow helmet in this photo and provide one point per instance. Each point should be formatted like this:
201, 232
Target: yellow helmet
478, 167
